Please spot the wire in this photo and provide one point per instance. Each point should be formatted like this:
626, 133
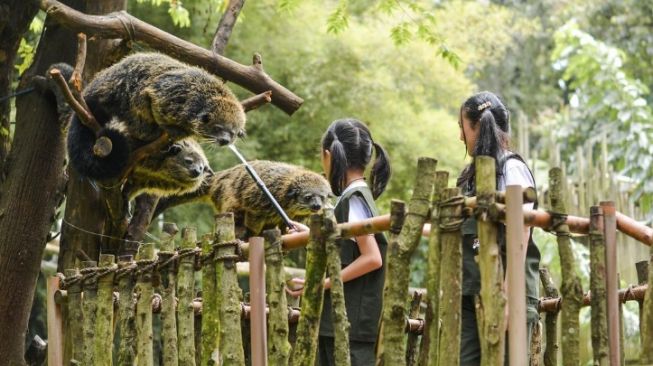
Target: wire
98, 234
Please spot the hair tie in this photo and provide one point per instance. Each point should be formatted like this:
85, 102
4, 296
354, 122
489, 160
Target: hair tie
484, 106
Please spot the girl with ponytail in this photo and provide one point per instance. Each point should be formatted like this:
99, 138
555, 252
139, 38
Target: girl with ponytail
347, 151
485, 130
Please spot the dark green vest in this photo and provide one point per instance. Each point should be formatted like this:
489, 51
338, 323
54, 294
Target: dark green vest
363, 295
471, 274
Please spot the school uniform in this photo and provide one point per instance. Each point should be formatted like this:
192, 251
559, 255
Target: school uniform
512, 171
363, 295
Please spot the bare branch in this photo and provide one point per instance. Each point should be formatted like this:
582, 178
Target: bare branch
80, 61
226, 25
123, 25
143, 214
256, 101
84, 114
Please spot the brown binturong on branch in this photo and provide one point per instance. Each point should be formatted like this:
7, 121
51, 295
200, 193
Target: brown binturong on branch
123, 25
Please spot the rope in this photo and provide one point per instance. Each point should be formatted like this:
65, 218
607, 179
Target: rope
127, 24
557, 221
452, 223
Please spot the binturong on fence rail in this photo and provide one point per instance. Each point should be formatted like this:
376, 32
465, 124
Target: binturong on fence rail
102, 314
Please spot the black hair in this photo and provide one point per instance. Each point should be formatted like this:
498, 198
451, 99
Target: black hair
486, 112
350, 144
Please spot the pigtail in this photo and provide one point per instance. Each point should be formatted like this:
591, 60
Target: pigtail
381, 171
338, 170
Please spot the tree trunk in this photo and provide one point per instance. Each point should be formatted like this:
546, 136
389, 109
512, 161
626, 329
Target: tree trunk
33, 174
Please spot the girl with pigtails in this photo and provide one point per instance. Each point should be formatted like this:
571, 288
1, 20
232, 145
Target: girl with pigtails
485, 129
347, 150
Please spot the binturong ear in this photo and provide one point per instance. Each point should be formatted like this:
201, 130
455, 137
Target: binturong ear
292, 193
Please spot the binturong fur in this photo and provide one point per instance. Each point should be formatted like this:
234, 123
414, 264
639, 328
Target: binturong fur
139, 98
179, 169
300, 192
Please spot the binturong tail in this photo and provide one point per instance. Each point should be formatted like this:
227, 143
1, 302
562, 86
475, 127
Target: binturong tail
80, 142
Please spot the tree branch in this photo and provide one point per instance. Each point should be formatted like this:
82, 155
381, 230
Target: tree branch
84, 115
256, 101
123, 25
226, 25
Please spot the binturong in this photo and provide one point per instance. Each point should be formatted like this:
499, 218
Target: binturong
178, 169
138, 99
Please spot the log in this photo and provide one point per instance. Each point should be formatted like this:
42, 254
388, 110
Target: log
551, 327
429, 350
103, 342
491, 301
305, 349
126, 311
451, 272
123, 25
229, 294
516, 277
257, 322
571, 288
338, 309
275, 283
75, 315
597, 288
398, 256
612, 283
167, 289
145, 293
186, 294
55, 324
226, 25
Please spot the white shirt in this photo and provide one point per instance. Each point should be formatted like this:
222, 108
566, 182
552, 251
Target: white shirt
358, 209
515, 172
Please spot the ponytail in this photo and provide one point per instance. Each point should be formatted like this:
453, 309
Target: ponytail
338, 169
381, 171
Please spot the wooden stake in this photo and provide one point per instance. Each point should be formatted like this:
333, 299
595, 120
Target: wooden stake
305, 349
275, 283
103, 342
429, 348
167, 289
126, 312
646, 355
229, 294
257, 301
516, 276
571, 289
210, 313
597, 288
145, 293
451, 272
89, 306
411, 344
398, 257
491, 301
186, 294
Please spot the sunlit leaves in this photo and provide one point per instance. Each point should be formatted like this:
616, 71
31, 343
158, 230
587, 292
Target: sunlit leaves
179, 15
338, 21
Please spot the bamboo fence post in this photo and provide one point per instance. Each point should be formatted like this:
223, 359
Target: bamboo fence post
209, 351
642, 276
397, 217
257, 319
275, 283
646, 355
552, 343
516, 276
126, 311
398, 263
55, 324
597, 288
428, 354
103, 342
186, 293
305, 349
612, 285
451, 272
89, 306
229, 294
338, 310
622, 339
571, 288
411, 347
492, 300
167, 287
145, 293
75, 314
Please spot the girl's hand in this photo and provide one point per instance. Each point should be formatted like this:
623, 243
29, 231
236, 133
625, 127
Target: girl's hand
295, 287
299, 227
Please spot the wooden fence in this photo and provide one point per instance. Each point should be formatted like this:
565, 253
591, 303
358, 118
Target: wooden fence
102, 313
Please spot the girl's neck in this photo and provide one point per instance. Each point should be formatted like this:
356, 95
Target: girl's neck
354, 175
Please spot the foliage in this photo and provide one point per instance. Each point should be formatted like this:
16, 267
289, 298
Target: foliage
178, 13
605, 101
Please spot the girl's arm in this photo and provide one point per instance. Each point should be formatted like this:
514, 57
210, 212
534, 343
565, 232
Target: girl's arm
369, 260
